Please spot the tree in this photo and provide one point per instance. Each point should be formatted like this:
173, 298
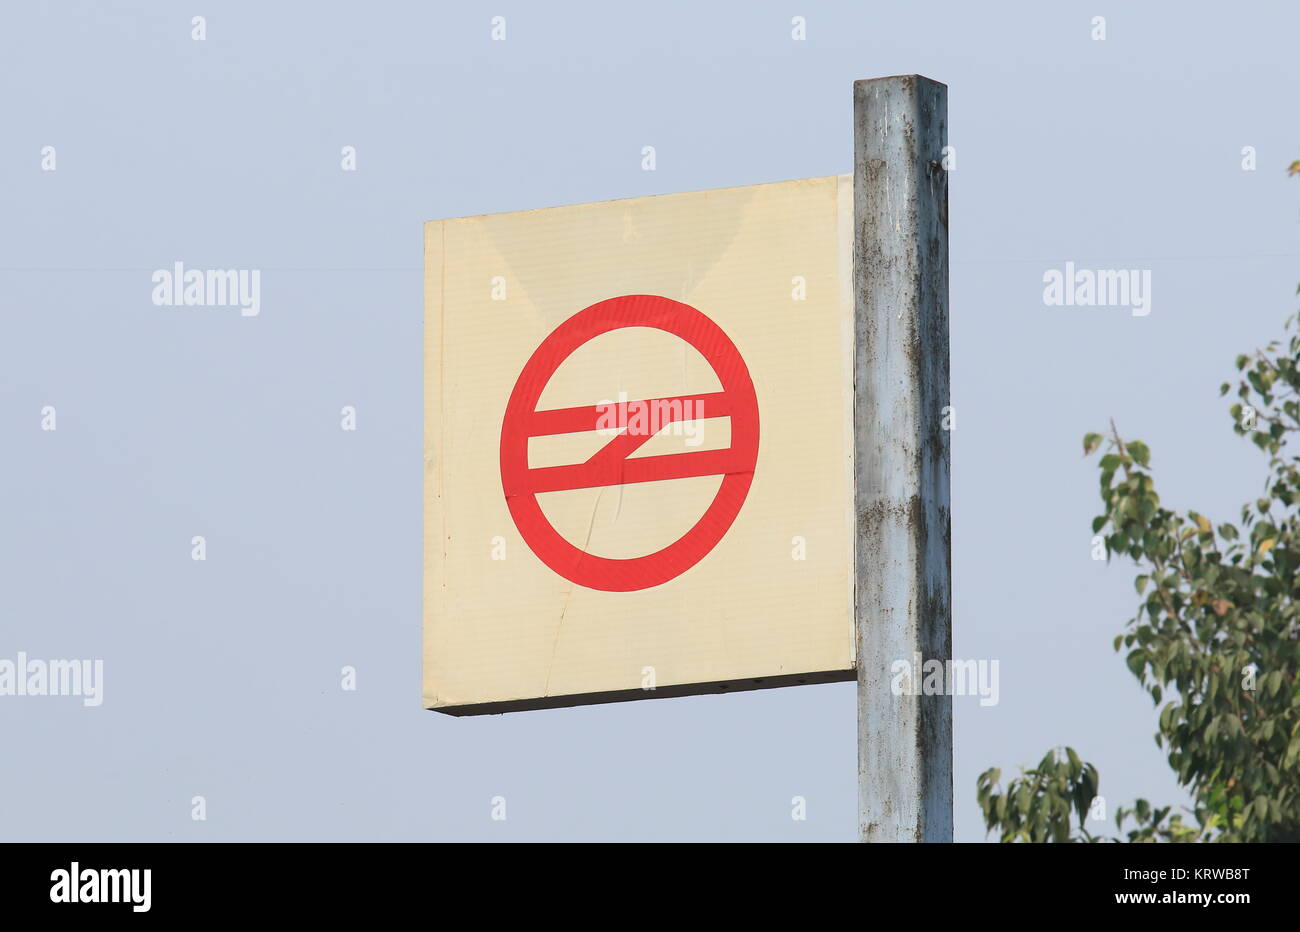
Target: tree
1216, 638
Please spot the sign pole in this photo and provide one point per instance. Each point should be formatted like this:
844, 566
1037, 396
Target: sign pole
903, 562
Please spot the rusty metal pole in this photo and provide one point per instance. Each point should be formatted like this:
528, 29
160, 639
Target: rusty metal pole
901, 457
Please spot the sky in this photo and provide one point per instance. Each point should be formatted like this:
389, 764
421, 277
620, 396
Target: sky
222, 676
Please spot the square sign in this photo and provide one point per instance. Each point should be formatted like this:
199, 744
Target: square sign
638, 448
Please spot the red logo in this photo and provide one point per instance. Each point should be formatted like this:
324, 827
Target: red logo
611, 464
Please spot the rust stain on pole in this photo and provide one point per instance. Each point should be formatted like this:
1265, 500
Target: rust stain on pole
903, 564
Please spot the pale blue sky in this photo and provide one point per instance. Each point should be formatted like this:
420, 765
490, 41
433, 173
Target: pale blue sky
222, 677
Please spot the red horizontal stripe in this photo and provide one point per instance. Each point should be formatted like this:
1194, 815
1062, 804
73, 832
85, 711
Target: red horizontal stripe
657, 412
595, 473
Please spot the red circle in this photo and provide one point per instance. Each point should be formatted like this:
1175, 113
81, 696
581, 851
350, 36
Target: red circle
626, 575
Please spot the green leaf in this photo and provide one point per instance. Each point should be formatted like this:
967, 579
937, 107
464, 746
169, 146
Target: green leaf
1091, 442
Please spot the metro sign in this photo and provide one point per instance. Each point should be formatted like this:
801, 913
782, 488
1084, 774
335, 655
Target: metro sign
695, 538
613, 464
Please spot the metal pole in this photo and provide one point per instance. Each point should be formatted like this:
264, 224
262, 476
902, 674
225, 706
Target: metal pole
901, 457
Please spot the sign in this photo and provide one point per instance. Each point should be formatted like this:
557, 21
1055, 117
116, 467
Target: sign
638, 448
